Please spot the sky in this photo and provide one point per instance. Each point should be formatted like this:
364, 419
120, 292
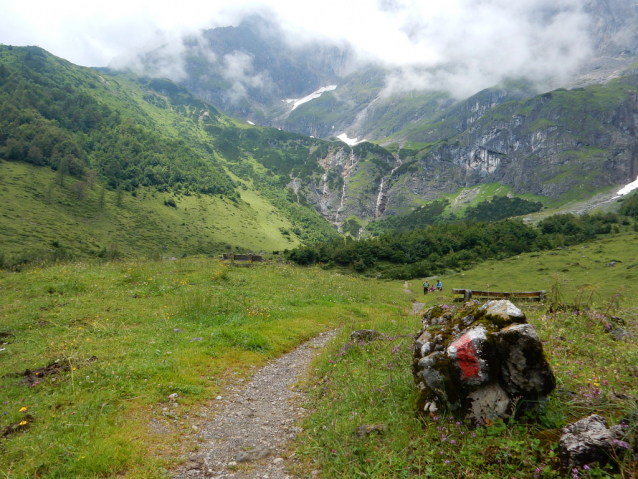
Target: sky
464, 43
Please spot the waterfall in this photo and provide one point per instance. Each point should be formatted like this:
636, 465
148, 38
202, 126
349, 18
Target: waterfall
377, 208
343, 200
382, 197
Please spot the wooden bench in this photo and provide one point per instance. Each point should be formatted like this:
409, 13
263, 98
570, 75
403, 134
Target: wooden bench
242, 259
468, 294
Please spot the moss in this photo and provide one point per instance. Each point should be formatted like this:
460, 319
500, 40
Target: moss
438, 380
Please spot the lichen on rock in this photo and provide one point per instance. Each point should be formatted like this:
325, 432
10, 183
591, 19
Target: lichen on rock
478, 361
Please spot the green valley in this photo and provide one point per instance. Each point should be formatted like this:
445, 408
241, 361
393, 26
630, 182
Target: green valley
127, 334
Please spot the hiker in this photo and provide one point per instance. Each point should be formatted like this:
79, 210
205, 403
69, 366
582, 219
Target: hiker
426, 286
432, 289
439, 285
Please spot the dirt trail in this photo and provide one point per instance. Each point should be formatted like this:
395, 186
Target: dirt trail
406, 288
246, 438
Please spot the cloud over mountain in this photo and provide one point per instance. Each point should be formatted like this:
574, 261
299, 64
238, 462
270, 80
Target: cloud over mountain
456, 45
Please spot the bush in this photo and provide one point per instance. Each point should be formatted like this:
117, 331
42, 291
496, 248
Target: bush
630, 206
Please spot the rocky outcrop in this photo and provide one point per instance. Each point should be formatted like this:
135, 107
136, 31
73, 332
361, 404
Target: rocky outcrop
479, 362
589, 441
550, 145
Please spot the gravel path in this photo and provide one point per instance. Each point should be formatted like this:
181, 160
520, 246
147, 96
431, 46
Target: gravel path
246, 438
406, 288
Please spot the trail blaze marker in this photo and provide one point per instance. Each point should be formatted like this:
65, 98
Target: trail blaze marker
466, 357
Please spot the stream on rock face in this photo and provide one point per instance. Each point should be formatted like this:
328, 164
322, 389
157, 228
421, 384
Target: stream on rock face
382, 197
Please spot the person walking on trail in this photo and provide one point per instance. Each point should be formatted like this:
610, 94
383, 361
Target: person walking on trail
439, 285
426, 286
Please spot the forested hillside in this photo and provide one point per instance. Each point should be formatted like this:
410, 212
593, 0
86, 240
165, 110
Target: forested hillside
440, 248
147, 146
58, 115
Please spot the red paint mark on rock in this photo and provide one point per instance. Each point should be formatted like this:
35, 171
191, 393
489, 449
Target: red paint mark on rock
466, 357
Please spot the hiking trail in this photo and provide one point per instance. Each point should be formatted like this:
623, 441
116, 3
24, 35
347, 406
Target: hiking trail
248, 437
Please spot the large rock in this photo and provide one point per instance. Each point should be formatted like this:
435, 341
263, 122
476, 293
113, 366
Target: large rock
588, 441
478, 361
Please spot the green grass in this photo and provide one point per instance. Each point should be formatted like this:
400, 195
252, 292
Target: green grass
359, 384
486, 192
37, 213
579, 267
142, 320
105, 417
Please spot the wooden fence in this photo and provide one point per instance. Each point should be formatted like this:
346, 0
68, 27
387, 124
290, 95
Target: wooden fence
242, 259
468, 294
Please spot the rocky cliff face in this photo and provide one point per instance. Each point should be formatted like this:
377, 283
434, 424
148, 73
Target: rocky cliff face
558, 144
555, 144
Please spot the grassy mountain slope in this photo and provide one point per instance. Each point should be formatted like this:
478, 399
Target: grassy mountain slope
43, 220
86, 149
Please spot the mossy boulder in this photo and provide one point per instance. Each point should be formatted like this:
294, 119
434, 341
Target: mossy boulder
478, 361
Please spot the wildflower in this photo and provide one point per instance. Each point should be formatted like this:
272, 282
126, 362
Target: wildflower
622, 444
334, 451
452, 441
586, 467
23, 409
22, 423
447, 461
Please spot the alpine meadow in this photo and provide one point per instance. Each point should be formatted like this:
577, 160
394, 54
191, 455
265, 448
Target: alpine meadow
256, 251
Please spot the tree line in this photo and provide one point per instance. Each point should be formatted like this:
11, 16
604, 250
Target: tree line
438, 248
49, 117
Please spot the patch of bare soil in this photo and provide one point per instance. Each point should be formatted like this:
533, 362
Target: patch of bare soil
33, 377
248, 438
406, 288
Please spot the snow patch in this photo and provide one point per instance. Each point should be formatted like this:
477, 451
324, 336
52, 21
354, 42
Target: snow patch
250, 122
350, 141
315, 94
627, 189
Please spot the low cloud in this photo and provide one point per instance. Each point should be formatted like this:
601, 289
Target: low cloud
459, 46
476, 45
238, 69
